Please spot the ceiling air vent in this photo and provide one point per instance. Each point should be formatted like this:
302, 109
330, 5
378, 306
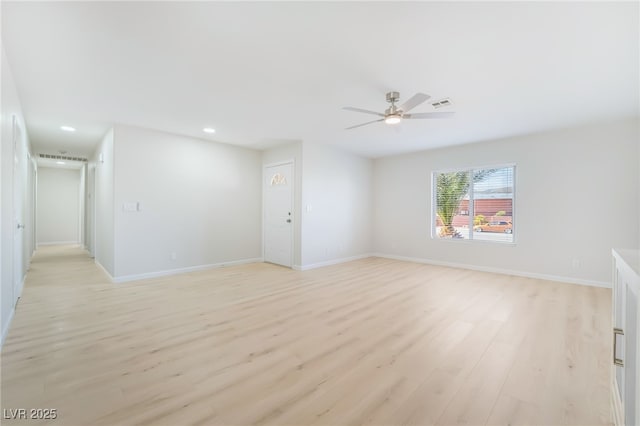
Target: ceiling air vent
442, 103
62, 157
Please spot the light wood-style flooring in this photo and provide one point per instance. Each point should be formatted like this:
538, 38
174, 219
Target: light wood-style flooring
373, 341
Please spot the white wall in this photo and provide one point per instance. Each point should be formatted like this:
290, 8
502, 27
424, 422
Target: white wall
11, 257
279, 154
89, 210
30, 202
337, 201
82, 205
103, 161
577, 196
200, 200
58, 212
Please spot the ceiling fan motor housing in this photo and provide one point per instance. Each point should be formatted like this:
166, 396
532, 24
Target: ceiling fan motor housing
393, 97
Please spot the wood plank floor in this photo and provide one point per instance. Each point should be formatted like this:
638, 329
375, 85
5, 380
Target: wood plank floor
374, 341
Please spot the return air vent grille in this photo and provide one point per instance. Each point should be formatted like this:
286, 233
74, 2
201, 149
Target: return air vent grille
62, 157
442, 103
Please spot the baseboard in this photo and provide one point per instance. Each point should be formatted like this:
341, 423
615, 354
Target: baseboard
5, 326
330, 262
58, 243
176, 271
569, 280
103, 269
21, 288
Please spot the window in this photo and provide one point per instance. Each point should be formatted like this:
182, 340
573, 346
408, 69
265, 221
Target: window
474, 204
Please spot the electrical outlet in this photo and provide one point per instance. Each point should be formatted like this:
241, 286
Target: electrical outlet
575, 263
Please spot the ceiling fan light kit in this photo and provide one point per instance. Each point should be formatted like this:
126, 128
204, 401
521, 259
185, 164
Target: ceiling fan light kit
394, 114
393, 119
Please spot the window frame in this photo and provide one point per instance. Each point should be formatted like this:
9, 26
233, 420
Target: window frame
471, 210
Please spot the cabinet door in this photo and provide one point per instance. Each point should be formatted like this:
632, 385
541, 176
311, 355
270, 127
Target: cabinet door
625, 395
619, 293
630, 354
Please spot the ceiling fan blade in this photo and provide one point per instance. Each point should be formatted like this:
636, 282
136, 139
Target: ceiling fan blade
413, 102
446, 114
366, 111
364, 124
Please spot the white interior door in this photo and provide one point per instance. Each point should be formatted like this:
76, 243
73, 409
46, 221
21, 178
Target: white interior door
278, 214
18, 213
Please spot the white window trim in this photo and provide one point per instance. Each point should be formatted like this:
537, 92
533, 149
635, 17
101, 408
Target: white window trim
432, 224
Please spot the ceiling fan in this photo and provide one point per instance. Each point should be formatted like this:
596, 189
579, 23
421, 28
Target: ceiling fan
395, 114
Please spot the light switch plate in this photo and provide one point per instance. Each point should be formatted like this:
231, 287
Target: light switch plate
130, 207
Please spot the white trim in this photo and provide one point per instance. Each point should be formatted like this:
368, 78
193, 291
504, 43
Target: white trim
617, 414
59, 243
331, 262
279, 163
466, 168
103, 269
5, 326
568, 280
176, 271
20, 289
474, 242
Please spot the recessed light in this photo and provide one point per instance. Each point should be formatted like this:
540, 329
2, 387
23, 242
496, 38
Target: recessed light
68, 128
60, 162
209, 130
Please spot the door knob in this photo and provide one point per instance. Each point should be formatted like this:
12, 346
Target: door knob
288, 220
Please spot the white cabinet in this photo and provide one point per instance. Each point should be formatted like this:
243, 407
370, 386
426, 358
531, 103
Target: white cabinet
625, 396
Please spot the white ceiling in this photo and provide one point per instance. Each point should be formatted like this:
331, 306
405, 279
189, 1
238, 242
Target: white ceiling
260, 73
